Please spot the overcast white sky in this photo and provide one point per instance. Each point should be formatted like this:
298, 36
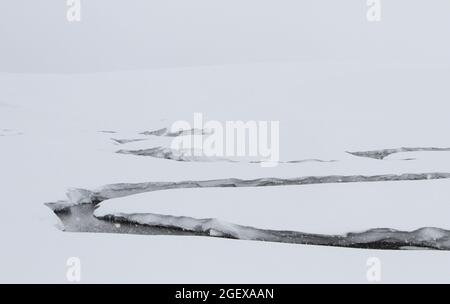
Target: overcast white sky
144, 34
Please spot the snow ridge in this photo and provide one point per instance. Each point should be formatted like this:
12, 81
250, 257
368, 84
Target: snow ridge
431, 238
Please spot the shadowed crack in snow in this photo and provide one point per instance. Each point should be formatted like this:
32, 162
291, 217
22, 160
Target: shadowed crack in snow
79, 214
78, 196
84, 218
382, 154
127, 141
170, 154
430, 238
81, 218
167, 133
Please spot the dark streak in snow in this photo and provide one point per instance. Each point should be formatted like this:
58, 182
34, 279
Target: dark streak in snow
382, 154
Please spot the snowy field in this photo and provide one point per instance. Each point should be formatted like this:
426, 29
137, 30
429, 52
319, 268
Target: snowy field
88, 170
58, 147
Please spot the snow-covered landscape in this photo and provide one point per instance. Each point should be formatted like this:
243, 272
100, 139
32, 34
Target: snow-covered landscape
89, 170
